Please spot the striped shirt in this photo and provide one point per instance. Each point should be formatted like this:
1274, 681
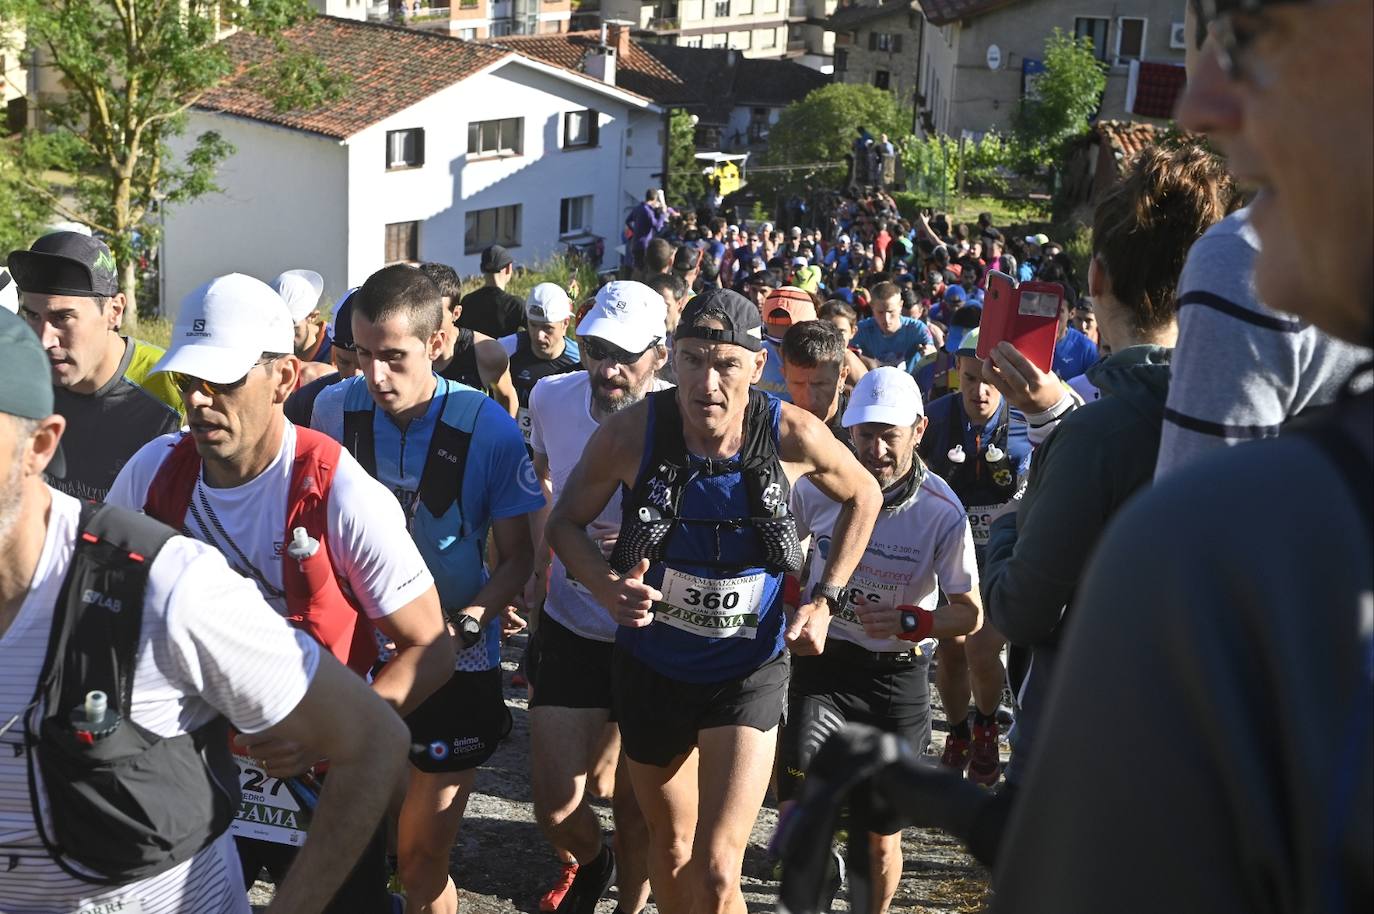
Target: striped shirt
209, 645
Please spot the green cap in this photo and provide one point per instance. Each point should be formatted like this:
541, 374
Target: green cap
25, 375
969, 344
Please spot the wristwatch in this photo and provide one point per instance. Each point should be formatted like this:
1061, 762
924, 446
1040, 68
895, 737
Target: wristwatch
910, 621
469, 630
832, 594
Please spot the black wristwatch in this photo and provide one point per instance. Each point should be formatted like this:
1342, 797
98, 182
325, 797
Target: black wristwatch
832, 594
469, 630
909, 622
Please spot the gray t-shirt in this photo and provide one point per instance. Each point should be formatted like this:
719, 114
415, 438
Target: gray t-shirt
105, 429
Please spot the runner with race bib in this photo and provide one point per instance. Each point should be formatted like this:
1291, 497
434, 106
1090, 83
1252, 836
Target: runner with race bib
542, 348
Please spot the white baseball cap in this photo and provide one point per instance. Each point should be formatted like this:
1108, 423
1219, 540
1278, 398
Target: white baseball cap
548, 303
887, 395
225, 326
301, 290
626, 314
9, 292
844, 239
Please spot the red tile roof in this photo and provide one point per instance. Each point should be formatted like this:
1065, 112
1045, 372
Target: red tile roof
1127, 138
637, 71
942, 12
389, 68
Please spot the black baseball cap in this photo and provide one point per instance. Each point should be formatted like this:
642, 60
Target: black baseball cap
742, 324
66, 263
343, 322
25, 378
763, 278
495, 259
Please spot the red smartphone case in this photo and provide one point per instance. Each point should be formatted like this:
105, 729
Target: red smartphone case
1027, 316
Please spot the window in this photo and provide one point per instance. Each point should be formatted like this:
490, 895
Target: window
467, 34
882, 79
485, 227
580, 128
768, 38
758, 125
405, 148
496, 138
722, 8
575, 215
841, 60
1095, 29
403, 242
739, 40
693, 41
744, 8
768, 6
1130, 39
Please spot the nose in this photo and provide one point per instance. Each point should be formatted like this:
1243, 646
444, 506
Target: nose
374, 370
48, 334
1209, 104
196, 398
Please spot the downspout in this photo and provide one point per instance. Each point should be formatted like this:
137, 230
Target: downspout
916, 93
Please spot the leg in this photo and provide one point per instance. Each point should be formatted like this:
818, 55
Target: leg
668, 799
952, 682
739, 761
986, 675
430, 817
885, 859
563, 744
601, 774
631, 842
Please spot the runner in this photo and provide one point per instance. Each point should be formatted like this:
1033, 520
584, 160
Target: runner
813, 362
469, 357
301, 404
888, 337
211, 648
977, 443
301, 290
457, 464
876, 662
623, 349
71, 299
235, 481
700, 670
542, 349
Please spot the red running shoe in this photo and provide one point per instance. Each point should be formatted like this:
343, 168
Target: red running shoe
554, 896
985, 766
956, 754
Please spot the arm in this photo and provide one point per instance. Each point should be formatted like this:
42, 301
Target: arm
424, 653
494, 367
516, 559
962, 615
537, 587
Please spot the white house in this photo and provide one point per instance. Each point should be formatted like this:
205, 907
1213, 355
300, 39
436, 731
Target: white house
437, 148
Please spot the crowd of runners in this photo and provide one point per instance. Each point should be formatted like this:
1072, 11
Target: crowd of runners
755, 492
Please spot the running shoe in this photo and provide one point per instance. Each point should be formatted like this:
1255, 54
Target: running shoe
985, 765
956, 754
554, 896
590, 883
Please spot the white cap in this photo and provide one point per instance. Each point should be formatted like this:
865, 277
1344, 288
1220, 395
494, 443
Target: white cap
732, 228
799, 261
887, 395
225, 326
844, 239
548, 303
9, 292
767, 227
626, 314
301, 290
796, 230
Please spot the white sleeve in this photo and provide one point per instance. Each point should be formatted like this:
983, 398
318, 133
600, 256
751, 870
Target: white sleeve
226, 645
369, 543
536, 425
130, 489
803, 497
509, 343
956, 564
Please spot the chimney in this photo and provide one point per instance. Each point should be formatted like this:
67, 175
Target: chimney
600, 62
615, 33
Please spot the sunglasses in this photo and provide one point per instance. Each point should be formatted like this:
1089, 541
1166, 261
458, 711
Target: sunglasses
599, 351
1235, 26
189, 383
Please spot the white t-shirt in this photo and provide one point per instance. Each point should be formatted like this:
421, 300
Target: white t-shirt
561, 423
367, 542
209, 646
1085, 388
918, 548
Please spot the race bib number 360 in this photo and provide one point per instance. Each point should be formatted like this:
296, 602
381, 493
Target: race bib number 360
710, 608
267, 810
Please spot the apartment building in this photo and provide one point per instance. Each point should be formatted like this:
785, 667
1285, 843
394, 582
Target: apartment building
468, 19
755, 28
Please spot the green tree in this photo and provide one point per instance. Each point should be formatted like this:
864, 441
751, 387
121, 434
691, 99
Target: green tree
130, 71
686, 185
23, 214
1066, 95
821, 128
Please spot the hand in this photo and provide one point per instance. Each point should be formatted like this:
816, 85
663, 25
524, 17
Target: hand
536, 590
879, 621
631, 601
807, 628
280, 758
1024, 385
511, 623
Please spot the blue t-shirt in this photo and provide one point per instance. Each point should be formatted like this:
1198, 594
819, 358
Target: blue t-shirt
772, 380
902, 348
498, 482
1074, 354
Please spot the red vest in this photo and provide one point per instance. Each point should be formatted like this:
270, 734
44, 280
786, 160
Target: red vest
315, 601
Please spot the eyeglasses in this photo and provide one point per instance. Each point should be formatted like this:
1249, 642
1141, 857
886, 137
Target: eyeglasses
1234, 27
189, 383
599, 351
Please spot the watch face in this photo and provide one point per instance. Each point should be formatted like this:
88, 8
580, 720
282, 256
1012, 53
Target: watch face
908, 622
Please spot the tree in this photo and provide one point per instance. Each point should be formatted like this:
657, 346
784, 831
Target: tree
22, 213
130, 71
686, 185
1066, 96
821, 129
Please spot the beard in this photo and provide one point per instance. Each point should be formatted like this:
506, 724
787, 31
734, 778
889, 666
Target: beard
893, 473
613, 398
11, 498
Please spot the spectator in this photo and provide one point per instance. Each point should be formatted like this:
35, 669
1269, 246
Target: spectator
491, 309
644, 223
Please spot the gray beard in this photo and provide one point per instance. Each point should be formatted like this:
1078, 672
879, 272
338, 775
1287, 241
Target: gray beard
11, 501
631, 397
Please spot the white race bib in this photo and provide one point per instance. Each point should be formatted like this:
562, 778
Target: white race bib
711, 608
522, 417
267, 810
113, 906
863, 591
980, 518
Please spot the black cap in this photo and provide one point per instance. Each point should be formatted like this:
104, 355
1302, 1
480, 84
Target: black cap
495, 259
343, 322
739, 315
66, 263
764, 278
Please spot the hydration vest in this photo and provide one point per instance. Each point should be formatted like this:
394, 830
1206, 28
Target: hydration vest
976, 481
463, 368
317, 602
650, 513
125, 803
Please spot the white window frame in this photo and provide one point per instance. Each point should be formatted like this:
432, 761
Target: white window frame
584, 205
396, 142
1102, 52
501, 148
505, 228
1116, 46
591, 129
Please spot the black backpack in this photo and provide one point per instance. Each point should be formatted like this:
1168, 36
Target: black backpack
124, 803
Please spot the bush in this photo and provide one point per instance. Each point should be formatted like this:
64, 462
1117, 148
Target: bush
932, 164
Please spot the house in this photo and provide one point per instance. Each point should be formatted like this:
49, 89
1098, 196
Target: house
437, 148
14, 80
469, 19
755, 28
1094, 163
966, 64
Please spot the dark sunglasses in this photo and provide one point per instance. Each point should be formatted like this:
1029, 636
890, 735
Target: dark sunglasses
1235, 24
599, 351
188, 383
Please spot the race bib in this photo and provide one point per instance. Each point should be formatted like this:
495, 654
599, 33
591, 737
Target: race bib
711, 608
980, 518
522, 416
113, 906
863, 591
267, 810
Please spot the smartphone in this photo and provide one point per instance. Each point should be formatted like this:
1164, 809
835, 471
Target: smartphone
1027, 316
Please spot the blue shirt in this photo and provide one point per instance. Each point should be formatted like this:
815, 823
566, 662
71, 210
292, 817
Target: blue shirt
772, 380
1074, 354
902, 348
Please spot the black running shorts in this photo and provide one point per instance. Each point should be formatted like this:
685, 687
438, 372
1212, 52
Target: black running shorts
847, 684
570, 671
660, 717
460, 725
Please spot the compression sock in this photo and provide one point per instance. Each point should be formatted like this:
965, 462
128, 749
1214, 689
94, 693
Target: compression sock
960, 730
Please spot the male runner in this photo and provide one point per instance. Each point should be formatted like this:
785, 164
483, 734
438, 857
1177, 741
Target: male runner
206, 646
469, 357
457, 464
695, 584
813, 364
875, 666
236, 480
978, 444
314, 346
542, 348
623, 348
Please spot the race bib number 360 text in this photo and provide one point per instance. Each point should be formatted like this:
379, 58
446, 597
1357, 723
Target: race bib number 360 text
710, 608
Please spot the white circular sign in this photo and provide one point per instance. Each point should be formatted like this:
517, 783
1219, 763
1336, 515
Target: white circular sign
994, 57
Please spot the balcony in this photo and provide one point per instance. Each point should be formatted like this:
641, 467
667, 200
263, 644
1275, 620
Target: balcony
403, 13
